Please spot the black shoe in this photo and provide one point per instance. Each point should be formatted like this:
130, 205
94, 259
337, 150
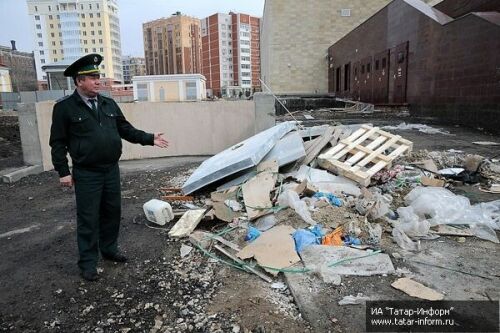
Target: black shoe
116, 257
89, 275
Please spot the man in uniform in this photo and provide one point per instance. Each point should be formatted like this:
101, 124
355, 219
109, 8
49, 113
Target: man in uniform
90, 127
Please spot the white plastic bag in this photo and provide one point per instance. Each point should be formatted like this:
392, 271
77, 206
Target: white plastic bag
291, 199
404, 241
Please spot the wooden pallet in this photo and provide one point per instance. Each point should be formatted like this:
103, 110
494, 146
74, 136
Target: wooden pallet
364, 153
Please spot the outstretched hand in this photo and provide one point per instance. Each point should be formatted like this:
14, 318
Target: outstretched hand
159, 141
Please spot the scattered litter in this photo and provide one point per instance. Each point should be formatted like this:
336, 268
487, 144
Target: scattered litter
420, 127
252, 234
308, 117
451, 171
326, 182
279, 286
334, 238
187, 223
486, 143
354, 300
221, 209
256, 192
273, 250
234, 205
416, 289
332, 199
157, 211
265, 222
291, 199
427, 181
306, 237
185, 250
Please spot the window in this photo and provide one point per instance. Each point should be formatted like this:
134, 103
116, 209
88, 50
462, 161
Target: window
86, 50
37, 17
100, 32
97, 5
99, 23
223, 26
52, 34
246, 81
90, 6
50, 17
39, 35
83, 15
42, 52
51, 26
376, 65
40, 44
38, 26
50, 9
368, 68
84, 25
190, 90
42, 61
363, 69
384, 63
92, 33
85, 33
93, 41
142, 92
91, 24
100, 41
36, 8
98, 14
84, 42
345, 12
102, 49
53, 43
245, 74
54, 51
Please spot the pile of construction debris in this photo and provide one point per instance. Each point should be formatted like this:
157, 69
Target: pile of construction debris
293, 197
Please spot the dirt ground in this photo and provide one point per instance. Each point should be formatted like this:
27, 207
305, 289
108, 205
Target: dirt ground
158, 291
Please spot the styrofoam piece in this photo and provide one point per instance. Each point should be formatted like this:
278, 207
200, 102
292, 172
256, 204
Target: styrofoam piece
241, 156
288, 149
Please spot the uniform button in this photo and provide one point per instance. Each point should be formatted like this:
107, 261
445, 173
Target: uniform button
79, 118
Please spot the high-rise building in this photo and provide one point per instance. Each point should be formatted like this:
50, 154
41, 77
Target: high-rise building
231, 54
21, 67
66, 30
133, 66
172, 45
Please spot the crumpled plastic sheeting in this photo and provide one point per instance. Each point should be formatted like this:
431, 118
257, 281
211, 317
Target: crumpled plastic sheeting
430, 206
326, 182
420, 127
290, 198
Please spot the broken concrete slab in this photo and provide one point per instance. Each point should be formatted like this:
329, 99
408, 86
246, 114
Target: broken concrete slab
348, 261
241, 156
17, 174
416, 289
274, 249
187, 223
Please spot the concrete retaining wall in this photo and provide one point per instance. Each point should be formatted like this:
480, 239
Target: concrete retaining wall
203, 128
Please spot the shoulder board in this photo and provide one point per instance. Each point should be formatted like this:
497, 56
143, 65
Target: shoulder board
63, 98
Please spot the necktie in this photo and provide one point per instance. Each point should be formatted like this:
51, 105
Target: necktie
94, 107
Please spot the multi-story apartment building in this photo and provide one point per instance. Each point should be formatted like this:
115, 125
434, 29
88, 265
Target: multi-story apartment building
67, 29
133, 66
21, 67
172, 45
231, 54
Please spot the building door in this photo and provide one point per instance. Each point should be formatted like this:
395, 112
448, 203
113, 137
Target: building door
399, 72
356, 81
380, 78
366, 93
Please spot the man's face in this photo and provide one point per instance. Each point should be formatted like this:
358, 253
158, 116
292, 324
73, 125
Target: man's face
89, 85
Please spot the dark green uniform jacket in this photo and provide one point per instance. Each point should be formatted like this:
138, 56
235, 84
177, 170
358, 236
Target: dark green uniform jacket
92, 140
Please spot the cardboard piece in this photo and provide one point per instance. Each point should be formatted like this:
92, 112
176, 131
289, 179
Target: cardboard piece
274, 248
416, 289
447, 230
187, 223
222, 211
256, 192
427, 181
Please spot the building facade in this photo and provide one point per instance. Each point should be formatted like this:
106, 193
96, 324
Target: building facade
133, 66
5, 83
21, 68
67, 30
441, 65
172, 45
231, 54
170, 88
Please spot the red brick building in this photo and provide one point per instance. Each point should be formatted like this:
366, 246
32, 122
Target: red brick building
231, 54
443, 61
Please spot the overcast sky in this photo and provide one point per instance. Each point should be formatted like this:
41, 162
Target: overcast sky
15, 21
